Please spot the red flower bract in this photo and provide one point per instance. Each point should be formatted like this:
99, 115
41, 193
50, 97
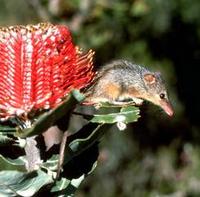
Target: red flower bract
39, 65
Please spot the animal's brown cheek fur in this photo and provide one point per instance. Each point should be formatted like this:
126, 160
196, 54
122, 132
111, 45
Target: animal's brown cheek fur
113, 91
133, 92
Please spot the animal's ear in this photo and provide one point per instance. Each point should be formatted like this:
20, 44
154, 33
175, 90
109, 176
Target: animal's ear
150, 78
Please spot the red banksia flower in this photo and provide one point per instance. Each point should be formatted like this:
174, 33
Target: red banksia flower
39, 65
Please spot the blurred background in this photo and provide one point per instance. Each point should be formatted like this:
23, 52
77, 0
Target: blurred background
157, 156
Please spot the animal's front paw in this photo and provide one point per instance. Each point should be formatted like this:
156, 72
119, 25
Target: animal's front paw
137, 101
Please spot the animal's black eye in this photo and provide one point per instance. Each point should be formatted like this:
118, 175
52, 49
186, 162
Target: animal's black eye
162, 95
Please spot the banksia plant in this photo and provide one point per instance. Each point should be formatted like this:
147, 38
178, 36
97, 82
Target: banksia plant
39, 66
41, 75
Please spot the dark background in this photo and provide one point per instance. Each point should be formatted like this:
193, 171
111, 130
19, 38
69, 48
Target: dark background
158, 155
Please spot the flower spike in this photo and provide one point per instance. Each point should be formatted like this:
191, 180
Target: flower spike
39, 66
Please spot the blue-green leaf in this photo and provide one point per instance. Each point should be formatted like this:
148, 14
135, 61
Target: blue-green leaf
12, 164
126, 115
49, 118
14, 183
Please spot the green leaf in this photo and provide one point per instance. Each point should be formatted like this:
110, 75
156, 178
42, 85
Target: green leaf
52, 163
82, 147
14, 183
4, 139
131, 113
79, 145
49, 118
7, 129
12, 164
66, 187
60, 185
126, 115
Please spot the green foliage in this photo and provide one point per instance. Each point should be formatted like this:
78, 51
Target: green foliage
125, 115
15, 183
156, 156
15, 177
50, 118
12, 164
